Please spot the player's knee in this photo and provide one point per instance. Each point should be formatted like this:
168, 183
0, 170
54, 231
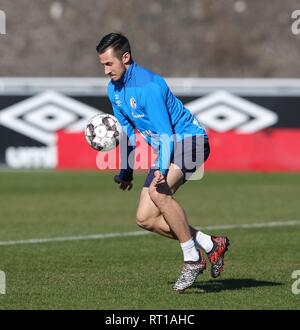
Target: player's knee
144, 221
160, 199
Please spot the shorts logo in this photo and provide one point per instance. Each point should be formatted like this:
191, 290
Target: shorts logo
133, 103
222, 112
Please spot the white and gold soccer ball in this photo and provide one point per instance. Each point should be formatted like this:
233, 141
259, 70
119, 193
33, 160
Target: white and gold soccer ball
103, 132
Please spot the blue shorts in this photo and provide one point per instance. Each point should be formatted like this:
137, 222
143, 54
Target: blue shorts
189, 154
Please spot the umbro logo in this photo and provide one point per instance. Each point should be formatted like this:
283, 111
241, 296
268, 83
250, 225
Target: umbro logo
222, 111
40, 116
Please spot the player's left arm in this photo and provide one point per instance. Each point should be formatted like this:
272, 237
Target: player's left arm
155, 103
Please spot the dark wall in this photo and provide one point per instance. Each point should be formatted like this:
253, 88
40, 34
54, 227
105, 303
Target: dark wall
187, 38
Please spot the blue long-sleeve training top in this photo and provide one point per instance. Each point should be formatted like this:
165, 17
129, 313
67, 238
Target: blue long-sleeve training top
142, 100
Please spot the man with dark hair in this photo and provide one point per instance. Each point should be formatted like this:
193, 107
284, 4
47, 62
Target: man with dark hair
117, 41
142, 100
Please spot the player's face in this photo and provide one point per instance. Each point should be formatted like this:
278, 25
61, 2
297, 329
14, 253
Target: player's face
113, 66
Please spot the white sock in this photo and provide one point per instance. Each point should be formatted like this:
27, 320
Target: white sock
189, 251
204, 241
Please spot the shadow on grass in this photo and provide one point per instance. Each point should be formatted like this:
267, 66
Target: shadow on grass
229, 284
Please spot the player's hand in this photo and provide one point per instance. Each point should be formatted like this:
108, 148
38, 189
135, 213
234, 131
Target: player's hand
158, 178
159, 189
124, 185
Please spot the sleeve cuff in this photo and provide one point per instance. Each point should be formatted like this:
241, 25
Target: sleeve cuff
164, 172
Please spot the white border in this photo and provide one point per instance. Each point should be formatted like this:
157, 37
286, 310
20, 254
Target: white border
142, 233
180, 86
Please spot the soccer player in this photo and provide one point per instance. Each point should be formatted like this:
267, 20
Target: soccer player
141, 100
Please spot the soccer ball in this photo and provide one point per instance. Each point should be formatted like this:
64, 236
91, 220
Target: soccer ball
103, 132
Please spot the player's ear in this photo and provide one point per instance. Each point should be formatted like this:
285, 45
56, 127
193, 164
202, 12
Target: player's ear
126, 58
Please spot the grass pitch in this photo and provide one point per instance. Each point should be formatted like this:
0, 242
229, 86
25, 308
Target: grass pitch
138, 272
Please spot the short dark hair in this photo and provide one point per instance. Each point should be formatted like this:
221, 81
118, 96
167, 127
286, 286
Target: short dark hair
117, 42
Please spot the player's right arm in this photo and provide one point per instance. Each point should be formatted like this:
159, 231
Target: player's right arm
127, 146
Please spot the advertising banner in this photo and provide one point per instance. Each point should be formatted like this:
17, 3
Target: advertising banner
44, 129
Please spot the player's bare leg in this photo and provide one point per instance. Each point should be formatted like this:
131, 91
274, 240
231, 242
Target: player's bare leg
150, 218
174, 215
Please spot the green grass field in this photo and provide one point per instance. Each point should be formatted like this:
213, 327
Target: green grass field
137, 272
